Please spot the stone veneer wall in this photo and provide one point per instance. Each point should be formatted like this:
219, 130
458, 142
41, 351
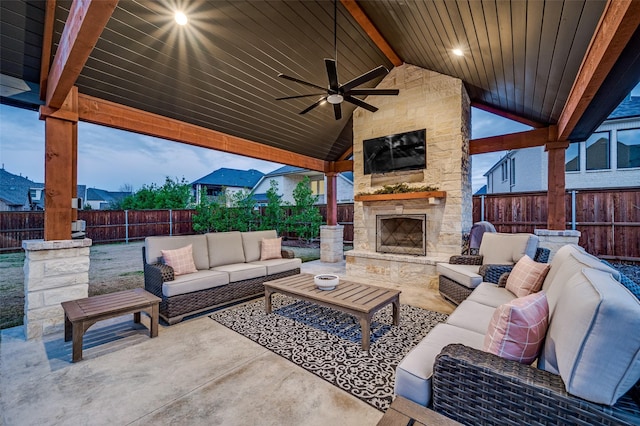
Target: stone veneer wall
54, 272
440, 104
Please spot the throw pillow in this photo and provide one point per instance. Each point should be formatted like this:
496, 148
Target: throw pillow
518, 328
526, 277
181, 260
271, 248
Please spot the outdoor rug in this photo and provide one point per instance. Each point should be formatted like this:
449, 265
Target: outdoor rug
326, 342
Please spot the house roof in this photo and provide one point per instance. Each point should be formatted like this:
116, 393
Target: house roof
231, 178
521, 58
286, 170
481, 191
95, 194
630, 107
14, 189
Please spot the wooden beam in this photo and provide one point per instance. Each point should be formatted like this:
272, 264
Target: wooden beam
86, 21
363, 20
346, 154
332, 198
556, 203
619, 21
528, 139
505, 114
339, 166
110, 114
47, 45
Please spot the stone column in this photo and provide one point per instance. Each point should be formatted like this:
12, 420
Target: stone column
331, 243
554, 239
54, 272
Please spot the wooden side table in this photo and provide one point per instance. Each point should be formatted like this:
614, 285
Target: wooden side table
81, 314
403, 412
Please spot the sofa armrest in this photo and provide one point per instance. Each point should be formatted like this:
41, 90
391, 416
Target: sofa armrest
469, 384
502, 281
465, 260
154, 275
492, 273
542, 255
287, 254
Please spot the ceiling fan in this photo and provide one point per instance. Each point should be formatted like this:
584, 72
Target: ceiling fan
337, 93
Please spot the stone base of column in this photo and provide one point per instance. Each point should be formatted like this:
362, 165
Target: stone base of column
331, 243
54, 272
553, 239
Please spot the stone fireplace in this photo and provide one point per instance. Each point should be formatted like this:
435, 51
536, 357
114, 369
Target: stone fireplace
427, 227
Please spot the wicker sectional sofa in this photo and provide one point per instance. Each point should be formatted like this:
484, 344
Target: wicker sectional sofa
228, 269
588, 370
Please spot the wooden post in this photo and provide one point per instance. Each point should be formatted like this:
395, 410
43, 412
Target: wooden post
556, 219
332, 198
60, 167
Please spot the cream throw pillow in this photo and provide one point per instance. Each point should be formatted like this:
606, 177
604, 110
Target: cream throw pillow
181, 260
526, 277
271, 248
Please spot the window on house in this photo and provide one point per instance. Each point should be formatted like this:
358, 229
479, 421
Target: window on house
572, 158
512, 178
598, 151
317, 187
505, 171
628, 148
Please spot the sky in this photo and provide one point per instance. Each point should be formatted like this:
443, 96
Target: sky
113, 159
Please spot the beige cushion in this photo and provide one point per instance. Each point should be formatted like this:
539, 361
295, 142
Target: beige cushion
413, 374
276, 266
225, 248
270, 248
181, 260
526, 277
154, 245
200, 280
242, 271
568, 261
506, 249
593, 340
466, 275
491, 295
251, 243
472, 316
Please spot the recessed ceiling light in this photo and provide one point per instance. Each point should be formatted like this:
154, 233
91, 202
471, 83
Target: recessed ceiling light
181, 18
458, 52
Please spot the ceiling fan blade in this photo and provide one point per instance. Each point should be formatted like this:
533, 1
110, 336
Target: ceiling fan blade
370, 75
332, 73
297, 80
373, 92
309, 108
337, 111
298, 96
360, 103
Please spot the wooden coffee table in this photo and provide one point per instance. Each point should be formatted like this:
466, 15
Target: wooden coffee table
359, 300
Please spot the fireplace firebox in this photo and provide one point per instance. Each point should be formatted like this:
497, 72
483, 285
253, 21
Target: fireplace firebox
402, 234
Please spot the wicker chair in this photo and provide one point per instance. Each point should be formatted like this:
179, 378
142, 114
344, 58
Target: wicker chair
472, 387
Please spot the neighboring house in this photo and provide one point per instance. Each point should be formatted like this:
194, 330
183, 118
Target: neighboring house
99, 199
610, 158
229, 180
288, 177
18, 193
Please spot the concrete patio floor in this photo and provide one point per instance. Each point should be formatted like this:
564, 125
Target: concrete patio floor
194, 372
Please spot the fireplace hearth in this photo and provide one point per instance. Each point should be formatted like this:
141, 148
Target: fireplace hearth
401, 234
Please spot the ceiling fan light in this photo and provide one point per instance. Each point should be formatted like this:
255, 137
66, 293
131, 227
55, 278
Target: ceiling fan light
458, 52
335, 99
181, 18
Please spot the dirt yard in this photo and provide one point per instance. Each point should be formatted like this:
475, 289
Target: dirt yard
113, 267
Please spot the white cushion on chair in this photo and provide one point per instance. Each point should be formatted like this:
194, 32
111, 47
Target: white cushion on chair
506, 249
491, 295
466, 275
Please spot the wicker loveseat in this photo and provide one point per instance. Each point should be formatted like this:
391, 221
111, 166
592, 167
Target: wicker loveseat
228, 269
587, 371
498, 253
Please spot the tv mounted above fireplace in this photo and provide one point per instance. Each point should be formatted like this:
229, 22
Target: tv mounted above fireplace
402, 151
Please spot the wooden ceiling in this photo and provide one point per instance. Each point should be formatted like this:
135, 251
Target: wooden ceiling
521, 58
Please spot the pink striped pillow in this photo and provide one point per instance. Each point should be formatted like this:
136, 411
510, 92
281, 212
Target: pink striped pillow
526, 277
181, 260
518, 328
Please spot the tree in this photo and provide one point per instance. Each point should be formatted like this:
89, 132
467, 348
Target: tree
225, 212
305, 219
273, 213
172, 195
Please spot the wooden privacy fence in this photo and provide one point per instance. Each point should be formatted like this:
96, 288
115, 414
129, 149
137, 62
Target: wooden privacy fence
608, 220
113, 226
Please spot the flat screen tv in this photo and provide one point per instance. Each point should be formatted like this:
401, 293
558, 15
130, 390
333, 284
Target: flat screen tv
402, 151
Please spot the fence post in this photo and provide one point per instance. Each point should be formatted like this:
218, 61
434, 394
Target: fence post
573, 209
170, 222
126, 226
482, 208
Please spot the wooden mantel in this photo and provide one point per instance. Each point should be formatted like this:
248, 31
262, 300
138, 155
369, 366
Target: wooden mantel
401, 196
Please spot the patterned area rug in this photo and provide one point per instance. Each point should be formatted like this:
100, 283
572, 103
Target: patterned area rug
327, 342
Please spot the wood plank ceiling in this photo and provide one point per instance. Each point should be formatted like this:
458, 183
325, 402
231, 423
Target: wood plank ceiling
220, 71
